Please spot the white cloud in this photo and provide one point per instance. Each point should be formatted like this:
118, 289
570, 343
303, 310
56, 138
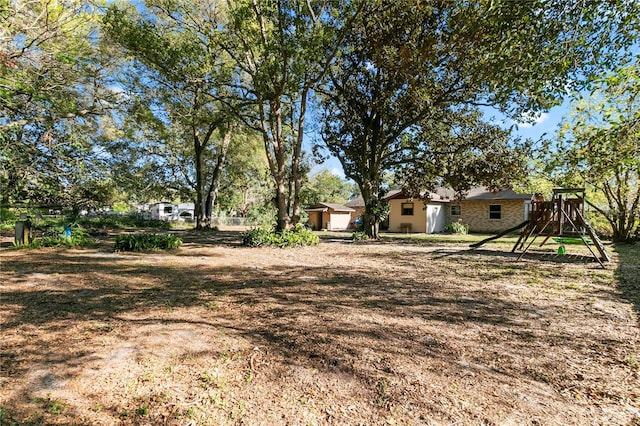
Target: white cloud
532, 118
337, 172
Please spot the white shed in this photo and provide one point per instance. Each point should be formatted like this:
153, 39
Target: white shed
164, 210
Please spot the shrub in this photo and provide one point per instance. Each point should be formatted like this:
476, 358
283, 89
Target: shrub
298, 236
456, 228
257, 237
56, 237
147, 242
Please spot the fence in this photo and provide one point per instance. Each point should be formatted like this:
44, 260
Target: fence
232, 221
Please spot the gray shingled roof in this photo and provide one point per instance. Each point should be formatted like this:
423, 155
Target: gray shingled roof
475, 194
356, 202
325, 206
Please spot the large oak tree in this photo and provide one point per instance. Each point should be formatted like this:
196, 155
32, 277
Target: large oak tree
411, 76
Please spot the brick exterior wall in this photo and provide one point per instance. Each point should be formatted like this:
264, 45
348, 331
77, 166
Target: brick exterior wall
475, 214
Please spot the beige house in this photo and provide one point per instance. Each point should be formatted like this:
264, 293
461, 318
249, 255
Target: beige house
332, 217
481, 210
414, 215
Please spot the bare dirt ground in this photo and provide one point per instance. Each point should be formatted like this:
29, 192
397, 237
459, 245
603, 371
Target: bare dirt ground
388, 333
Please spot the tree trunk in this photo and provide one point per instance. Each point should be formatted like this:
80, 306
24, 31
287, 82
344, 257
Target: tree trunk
280, 176
296, 174
281, 204
214, 187
199, 204
370, 221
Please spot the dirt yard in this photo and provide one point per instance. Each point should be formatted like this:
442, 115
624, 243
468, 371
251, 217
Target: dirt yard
401, 332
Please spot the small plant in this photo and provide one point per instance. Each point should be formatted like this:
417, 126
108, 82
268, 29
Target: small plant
147, 242
53, 406
633, 361
359, 236
456, 228
5, 416
191, 413
7, 216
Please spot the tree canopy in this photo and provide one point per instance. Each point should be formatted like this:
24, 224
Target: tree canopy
167, 98
53, 91
599, 146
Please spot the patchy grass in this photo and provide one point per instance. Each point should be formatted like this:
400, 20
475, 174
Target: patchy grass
403, 331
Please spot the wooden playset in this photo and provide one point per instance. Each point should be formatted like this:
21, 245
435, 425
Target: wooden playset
562, 219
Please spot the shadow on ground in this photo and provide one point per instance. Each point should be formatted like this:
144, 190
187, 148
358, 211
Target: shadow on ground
628, 273
446, 309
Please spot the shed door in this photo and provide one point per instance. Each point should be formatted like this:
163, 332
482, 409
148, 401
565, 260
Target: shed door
340, 221
435, 218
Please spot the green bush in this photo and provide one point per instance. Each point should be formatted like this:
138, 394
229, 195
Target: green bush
298, 236
257, 237
456, 228
147, 242
56, 237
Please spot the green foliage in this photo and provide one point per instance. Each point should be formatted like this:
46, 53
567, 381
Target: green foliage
7, 219
456, 228
147, 242
379, 208
7, 215
325, 187
121, 207
359, 236
298, 236
262, 214
57, 237
257, 237
52, 91
6, 418
598, 147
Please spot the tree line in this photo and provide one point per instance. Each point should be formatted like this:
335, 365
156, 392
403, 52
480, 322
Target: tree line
213, 100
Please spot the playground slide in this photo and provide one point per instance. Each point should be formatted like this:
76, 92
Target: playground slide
501, 234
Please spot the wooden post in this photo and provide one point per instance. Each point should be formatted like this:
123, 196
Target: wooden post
560, 215
23, 232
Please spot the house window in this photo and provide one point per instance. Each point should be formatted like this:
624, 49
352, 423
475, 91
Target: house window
455, 210
495, 211
168, 210
407, 209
